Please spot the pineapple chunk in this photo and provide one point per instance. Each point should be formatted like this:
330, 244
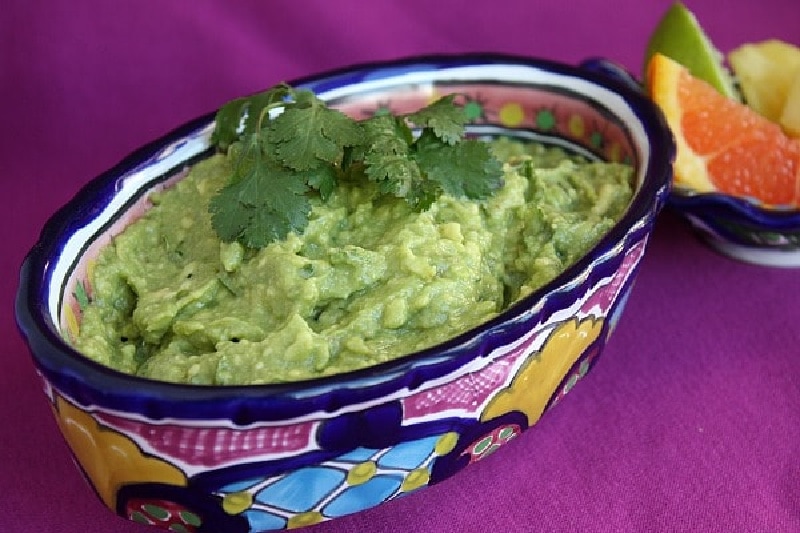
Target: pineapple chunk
766, 71
790, 115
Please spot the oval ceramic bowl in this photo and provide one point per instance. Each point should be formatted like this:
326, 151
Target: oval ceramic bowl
741, 228
257, 458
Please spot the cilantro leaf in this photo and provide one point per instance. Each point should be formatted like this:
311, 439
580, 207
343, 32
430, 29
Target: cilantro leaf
387, 135
302, 137
304, 98
466, 169
244, 116
228, 119
304, 146
228, 216
270, 223
395, 174
322, 178
387, 158
443, 117
260, 105
422, 195
261, 206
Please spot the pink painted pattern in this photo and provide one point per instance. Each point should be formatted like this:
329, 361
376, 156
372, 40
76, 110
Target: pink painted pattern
469, 393
570, 117
604, 297
208, 446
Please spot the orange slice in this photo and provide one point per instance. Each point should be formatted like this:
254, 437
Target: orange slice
723, 145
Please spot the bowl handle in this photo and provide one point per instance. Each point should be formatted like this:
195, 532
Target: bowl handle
612, 70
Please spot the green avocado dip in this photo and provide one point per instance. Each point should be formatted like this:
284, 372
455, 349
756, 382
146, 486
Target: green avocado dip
369, 280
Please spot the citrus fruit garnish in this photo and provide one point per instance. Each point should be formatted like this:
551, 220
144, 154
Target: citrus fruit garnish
723, 145
790, 114
768, 73
678, 35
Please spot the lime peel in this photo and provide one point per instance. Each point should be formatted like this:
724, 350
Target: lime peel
679, 36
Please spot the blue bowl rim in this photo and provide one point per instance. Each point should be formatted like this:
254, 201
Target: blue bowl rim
32, 316
719, 205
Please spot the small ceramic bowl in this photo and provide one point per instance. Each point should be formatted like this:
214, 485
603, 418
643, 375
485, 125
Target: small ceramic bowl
258, 458
741, 228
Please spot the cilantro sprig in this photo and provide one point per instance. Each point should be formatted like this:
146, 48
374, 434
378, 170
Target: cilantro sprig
287, 145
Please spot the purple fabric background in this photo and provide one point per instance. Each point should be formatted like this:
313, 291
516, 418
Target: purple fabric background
690, 421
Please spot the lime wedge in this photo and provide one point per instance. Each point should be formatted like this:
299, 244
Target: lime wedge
679, 36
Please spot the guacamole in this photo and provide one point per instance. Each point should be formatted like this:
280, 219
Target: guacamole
369, 280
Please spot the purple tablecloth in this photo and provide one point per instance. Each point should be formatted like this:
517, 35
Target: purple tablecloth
691, 419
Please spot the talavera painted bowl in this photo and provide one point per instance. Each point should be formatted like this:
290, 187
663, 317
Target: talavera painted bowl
742, 228
258, 458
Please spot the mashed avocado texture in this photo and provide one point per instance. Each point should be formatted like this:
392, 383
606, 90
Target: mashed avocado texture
368, 281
